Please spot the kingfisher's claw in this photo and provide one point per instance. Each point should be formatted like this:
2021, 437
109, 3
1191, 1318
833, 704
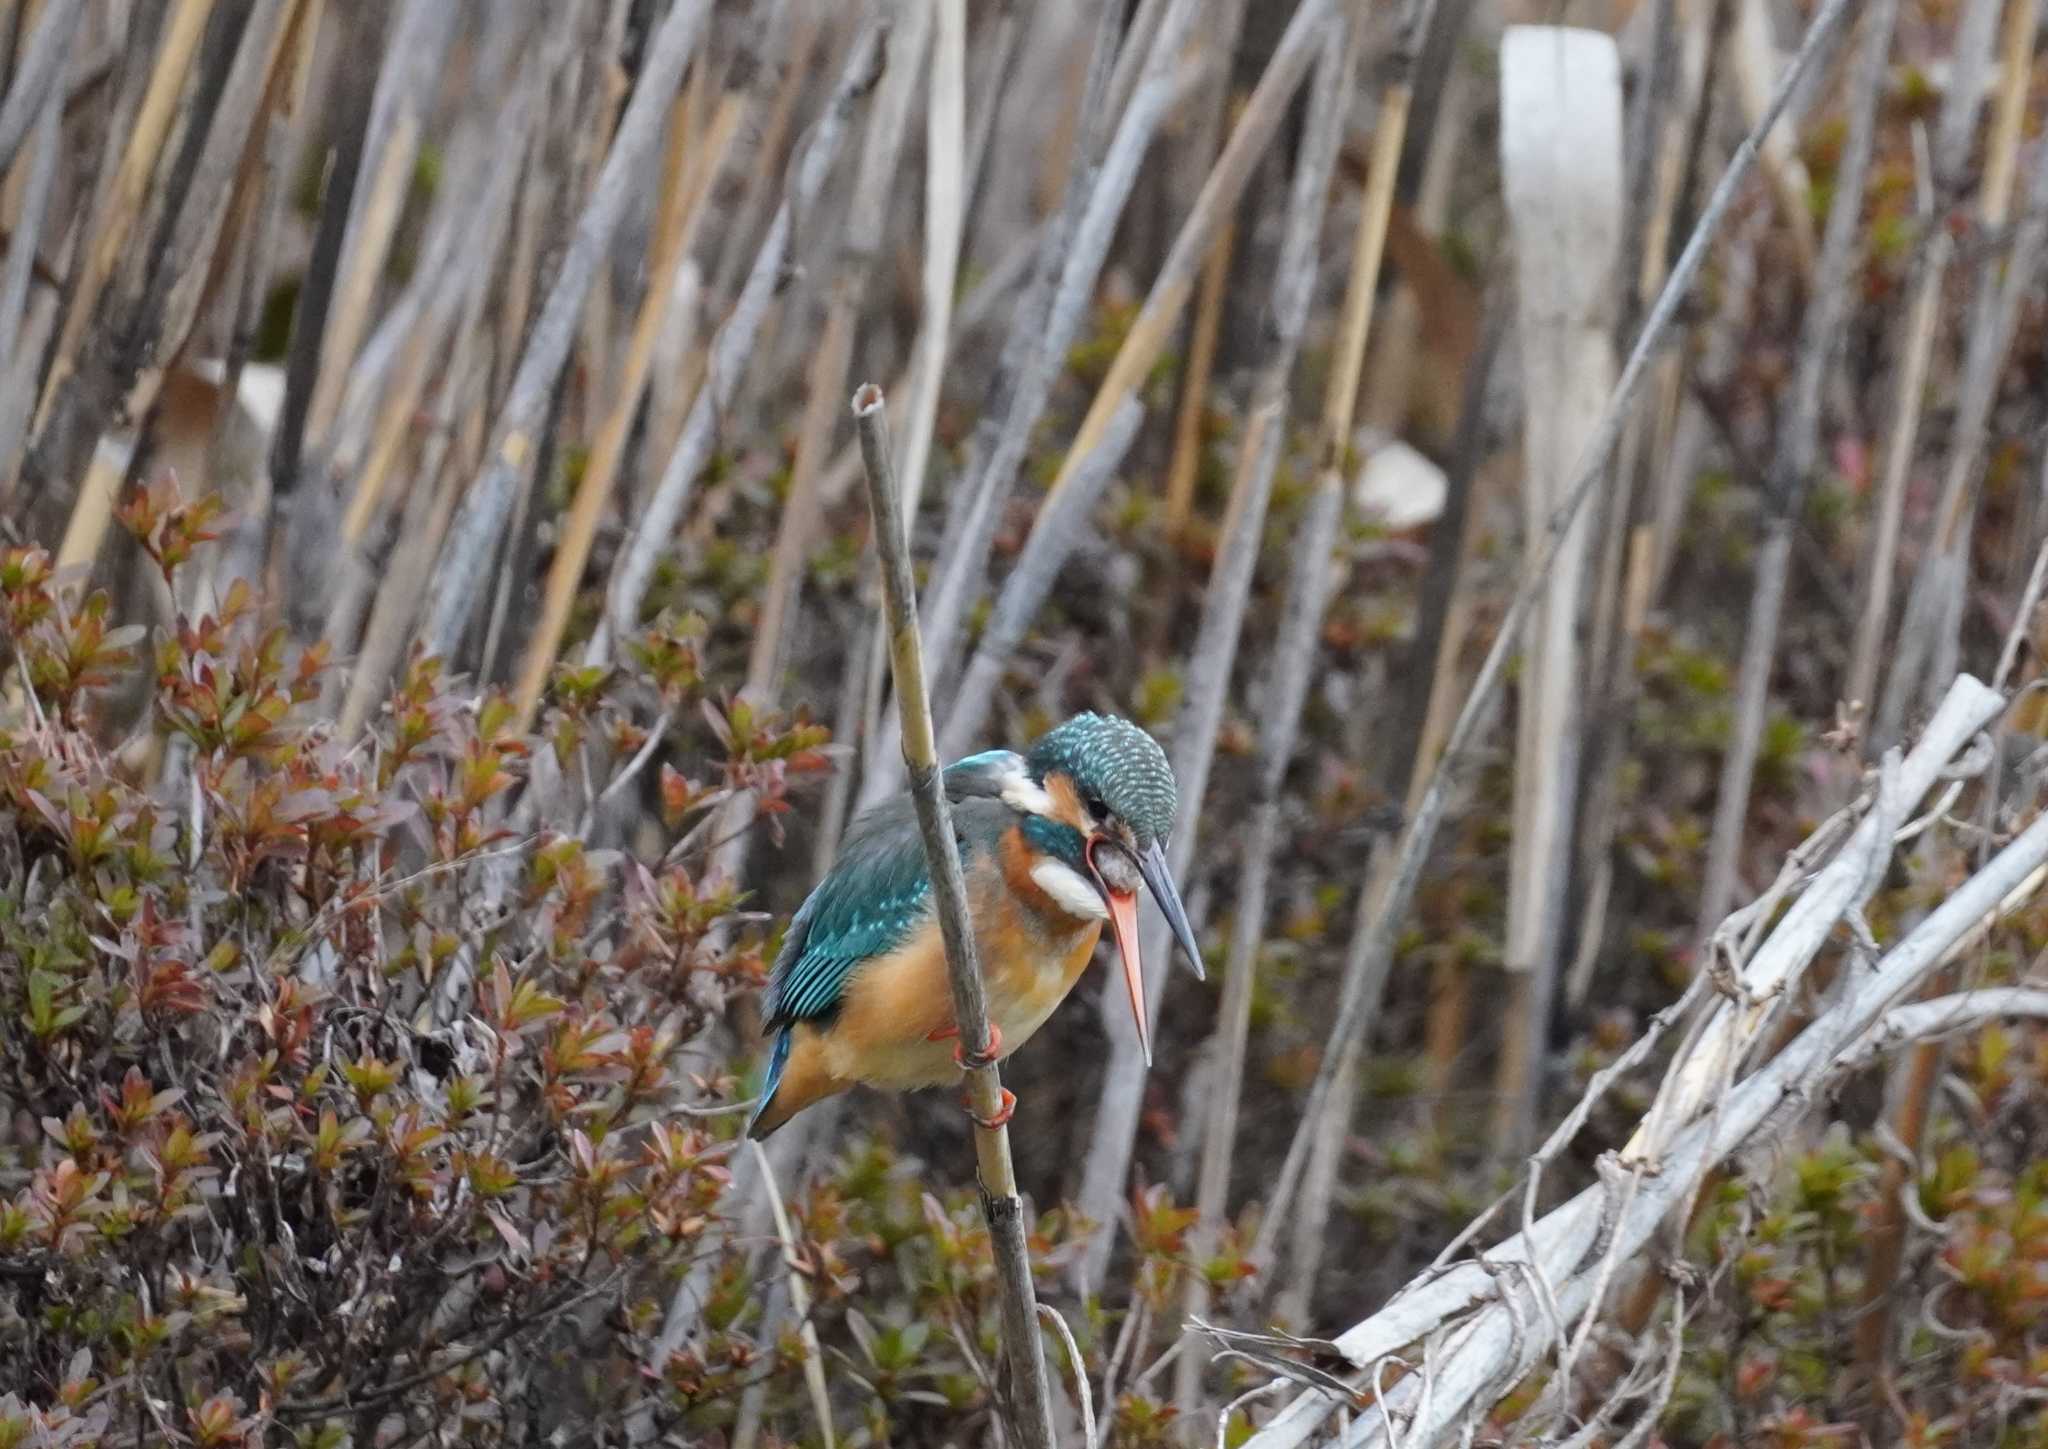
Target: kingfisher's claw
1002, 1114
969, 1061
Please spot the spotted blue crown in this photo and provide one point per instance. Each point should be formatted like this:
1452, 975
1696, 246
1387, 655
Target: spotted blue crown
1115, 763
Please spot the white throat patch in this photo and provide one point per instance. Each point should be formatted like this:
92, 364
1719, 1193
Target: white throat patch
1070, 891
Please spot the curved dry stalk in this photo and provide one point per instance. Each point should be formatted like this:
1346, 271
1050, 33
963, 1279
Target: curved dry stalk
1001, 1207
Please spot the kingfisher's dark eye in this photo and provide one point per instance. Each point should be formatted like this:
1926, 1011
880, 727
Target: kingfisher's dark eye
1098, 811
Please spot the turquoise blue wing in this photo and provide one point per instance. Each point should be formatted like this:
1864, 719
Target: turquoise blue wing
876, 896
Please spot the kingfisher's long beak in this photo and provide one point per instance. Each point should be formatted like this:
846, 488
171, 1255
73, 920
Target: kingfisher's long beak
1123, 924
1152, 865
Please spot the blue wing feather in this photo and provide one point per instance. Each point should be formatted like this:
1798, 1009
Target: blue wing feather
878, 893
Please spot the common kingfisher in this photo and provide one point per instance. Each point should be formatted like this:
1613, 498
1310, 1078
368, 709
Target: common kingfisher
1053, 842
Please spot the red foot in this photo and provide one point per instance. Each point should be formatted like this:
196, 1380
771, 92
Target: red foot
1003, 1113
966, 1060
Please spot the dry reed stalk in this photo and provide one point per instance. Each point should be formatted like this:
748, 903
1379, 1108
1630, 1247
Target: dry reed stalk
1194, 397
945, 217
1375, 947
1176, 277
1283, 693
188, 266
1340, 403
1676, 64
1002, 1209
16, 271
858, 247
687, 176
418, 42
806, 28
655, 527
115, 215
1211, 660
49, 46
473, 536
1096, 197
1934, 606
1921, 323
1754, 56
1792, 469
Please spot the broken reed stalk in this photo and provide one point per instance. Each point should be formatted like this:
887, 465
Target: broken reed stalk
1561, 165
1031, 1417
1419, 835
1327, 39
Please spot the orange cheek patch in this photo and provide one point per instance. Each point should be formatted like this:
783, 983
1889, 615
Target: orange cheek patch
1066, 802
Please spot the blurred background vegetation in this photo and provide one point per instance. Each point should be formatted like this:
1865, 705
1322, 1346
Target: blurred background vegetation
442, 646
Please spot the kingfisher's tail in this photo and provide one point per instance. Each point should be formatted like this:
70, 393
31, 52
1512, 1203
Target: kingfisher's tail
778, 1059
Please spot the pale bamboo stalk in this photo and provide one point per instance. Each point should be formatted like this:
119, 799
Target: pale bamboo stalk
1211, 660
116, 214
655, 527
1419, 835
473, 535
1001, 1207
859, 244
687, 178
